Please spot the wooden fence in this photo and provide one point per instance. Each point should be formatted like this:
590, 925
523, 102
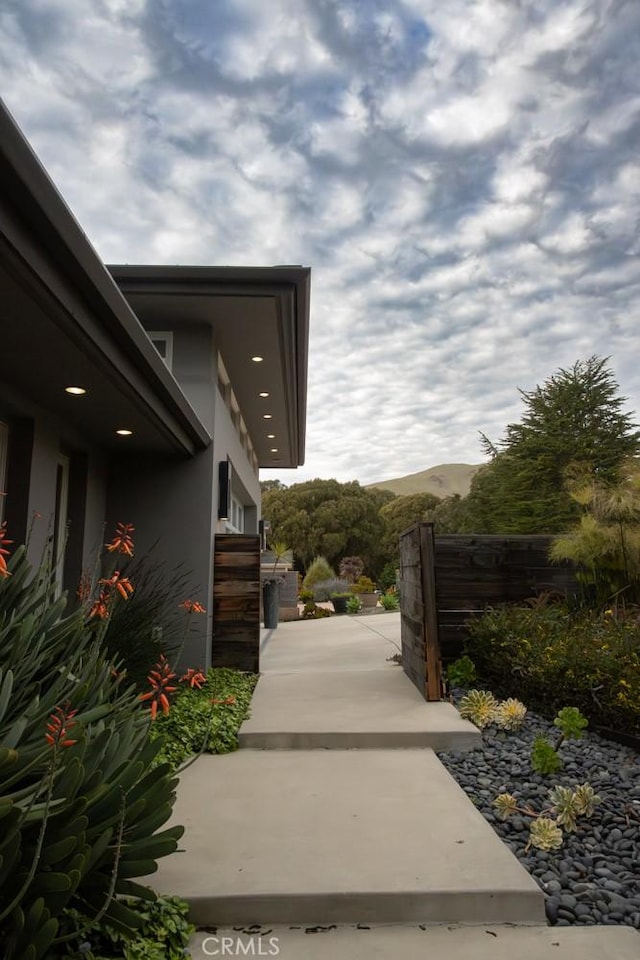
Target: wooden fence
468, 573
236, 602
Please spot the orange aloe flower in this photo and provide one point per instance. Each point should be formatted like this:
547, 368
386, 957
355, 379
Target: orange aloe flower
192, 606
122, 542
100, 607
60, 723
122, 584
160, 680
4, 542
195, 678
227, 702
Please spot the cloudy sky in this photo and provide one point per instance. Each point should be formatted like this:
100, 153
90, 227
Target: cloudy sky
463, 178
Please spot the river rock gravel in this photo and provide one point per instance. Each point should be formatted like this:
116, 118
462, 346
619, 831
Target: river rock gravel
595, 876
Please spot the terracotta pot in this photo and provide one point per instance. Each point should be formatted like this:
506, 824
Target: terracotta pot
368, 599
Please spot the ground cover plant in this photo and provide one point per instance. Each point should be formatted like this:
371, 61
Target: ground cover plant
205, 715
163, 934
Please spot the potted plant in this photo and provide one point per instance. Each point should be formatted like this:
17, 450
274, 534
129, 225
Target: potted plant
340, 600
271, 587
365, 589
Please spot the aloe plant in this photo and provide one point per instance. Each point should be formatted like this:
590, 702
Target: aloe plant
81, 804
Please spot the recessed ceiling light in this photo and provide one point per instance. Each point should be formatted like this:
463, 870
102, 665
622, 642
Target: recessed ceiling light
267, 416
263, 394
274, 449
257, 359
124, 433
75, 391
271, 436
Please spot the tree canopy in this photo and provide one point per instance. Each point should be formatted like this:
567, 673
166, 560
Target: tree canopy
330, 519
401, 513
572, 423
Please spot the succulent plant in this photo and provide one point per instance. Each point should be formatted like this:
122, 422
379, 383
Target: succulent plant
479, 706
585, 799
563, 804
571, 723
544, 757
80, 799
510, 714
506, 805
545, 834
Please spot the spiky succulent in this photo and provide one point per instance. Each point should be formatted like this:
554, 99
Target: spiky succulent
479, 706
510, 714
563, 804
585, 799
505, 804
544, 757
545, 834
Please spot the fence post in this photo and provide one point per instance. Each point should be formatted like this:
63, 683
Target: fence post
430, 615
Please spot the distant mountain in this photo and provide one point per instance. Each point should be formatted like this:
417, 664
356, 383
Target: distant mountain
442, 481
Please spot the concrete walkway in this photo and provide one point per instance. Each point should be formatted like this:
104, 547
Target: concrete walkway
336, 812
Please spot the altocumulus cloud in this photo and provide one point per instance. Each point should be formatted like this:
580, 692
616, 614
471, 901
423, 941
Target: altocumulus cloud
462, 177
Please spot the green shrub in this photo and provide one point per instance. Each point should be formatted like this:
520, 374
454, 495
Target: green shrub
305, 595
313, 612
319, 569
389, 576
81, 800
461, 673
551, 655
353, 604
163, 934
390, 601
363, 585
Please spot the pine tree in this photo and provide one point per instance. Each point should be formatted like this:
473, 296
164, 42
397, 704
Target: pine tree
573, 423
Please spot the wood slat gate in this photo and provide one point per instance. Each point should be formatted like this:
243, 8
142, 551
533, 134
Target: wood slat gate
418, 607
236, 602
447, 580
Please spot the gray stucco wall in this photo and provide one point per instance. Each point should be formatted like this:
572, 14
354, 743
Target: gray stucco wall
169, 503
194, 367
245, 484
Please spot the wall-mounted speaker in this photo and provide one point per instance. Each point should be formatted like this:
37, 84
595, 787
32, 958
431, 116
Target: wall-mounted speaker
224, 490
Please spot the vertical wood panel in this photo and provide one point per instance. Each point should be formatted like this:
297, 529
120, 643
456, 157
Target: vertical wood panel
236, 602
431, 638
447, 580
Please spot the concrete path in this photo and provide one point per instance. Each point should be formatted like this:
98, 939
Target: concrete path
330, 683
371, 838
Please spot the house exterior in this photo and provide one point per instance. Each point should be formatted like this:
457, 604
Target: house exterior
178, 413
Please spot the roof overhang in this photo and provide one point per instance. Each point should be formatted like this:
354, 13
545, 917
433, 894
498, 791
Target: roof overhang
65, 322
253, 311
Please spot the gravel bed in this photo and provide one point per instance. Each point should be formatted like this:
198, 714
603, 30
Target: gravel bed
595, 876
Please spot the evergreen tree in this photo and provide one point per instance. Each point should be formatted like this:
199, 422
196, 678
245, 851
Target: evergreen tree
573, 422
